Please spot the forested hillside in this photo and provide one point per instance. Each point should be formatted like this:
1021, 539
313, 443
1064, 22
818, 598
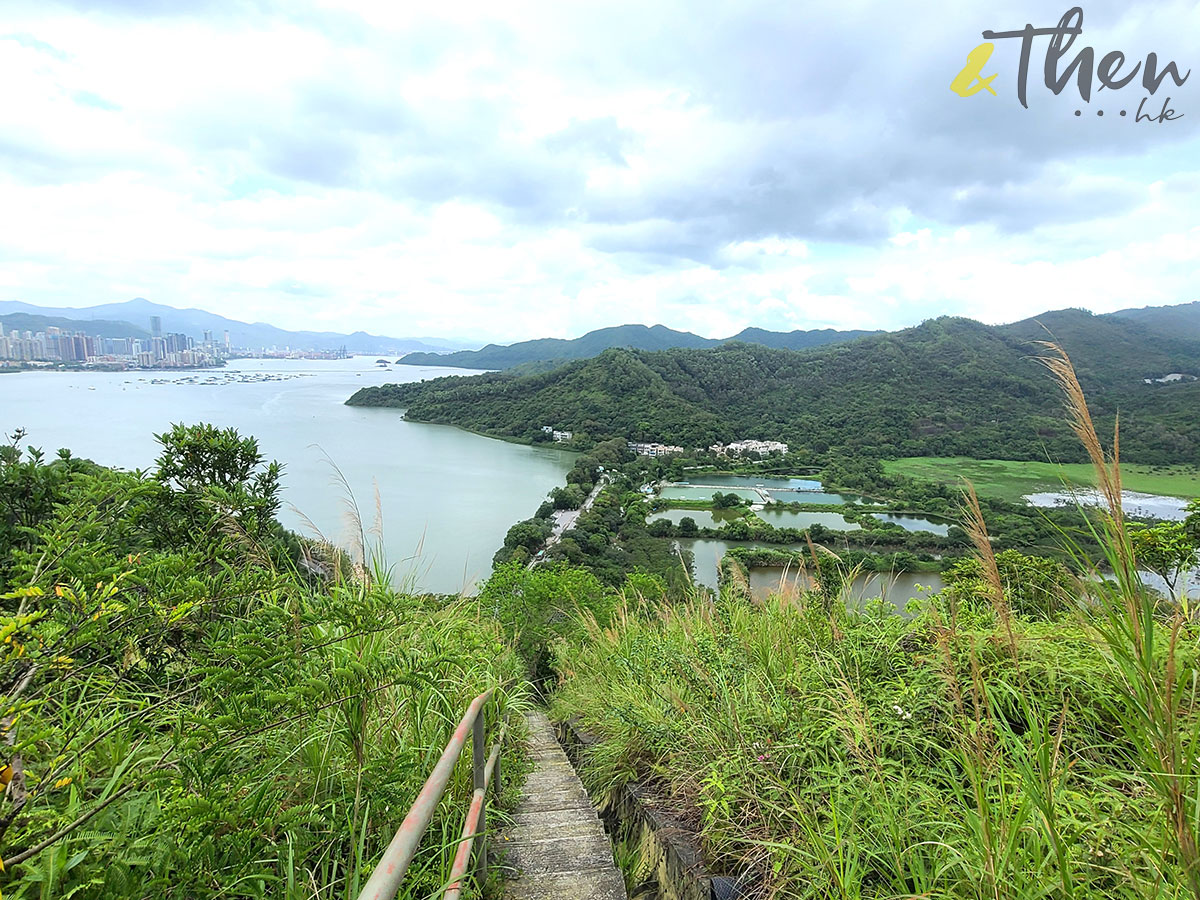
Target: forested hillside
949, 387
1182, 320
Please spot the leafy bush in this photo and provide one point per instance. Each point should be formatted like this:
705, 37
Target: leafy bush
187, 713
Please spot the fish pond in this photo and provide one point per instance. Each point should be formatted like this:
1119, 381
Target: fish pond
708, 553
915, 523
896, 588
704, 518
756, 489
696, 493
799, 518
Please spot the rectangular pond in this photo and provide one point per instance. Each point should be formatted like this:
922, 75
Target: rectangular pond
771, 483
695, 492
893, 587
915, 523
813, 497
704, 518
896, 588
797, 518
749, 487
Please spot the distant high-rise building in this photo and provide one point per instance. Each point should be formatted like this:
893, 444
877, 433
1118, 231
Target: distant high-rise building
156, 326
208, 337
226, 340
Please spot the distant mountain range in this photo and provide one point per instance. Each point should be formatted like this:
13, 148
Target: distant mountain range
546, 352
948, 387
194, 322
1181, 321
132, 319
108, 328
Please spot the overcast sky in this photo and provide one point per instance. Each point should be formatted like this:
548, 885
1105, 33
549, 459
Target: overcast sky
502, 171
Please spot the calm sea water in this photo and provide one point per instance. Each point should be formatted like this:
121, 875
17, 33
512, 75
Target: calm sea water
447, 496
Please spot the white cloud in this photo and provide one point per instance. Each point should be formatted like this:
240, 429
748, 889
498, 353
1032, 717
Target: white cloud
506, 172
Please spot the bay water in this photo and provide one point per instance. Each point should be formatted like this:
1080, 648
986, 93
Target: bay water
447, 496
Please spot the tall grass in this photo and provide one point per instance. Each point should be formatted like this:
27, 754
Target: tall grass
976, 750
214, 720
1144, 650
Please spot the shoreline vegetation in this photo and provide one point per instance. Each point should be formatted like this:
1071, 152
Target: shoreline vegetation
947, 388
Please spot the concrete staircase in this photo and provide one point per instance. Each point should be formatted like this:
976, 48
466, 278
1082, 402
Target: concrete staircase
556, 847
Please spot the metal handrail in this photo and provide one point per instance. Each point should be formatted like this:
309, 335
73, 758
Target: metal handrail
389, 873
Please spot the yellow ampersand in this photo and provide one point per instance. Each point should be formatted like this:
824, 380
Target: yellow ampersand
970, 80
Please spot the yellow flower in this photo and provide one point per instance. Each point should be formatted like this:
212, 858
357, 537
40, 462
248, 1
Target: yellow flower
63, 782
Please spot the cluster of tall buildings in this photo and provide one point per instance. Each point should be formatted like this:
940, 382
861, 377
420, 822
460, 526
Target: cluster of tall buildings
158, 351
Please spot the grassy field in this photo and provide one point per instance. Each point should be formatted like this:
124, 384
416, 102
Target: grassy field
1010, 479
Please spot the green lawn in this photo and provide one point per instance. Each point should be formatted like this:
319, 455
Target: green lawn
1010, 479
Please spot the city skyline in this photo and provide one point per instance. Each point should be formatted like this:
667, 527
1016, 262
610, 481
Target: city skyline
55, 344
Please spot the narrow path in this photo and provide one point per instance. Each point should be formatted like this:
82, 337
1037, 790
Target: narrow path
556, 847
565, 519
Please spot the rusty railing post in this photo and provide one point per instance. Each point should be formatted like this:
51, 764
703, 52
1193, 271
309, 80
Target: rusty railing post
389, 871
499, 785
480, 782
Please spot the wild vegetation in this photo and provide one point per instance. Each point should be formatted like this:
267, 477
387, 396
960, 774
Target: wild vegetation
194, 703
1025, 733
949, 387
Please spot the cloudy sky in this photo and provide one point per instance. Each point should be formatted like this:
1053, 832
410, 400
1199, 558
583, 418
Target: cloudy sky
501, 171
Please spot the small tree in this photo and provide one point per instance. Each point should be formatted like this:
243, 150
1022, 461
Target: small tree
214, 472
529, 534
1167, 550
569, 497
661, 528
1192, 523
1035, 587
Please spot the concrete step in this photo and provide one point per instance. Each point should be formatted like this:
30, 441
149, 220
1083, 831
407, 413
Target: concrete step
594, 884
556, 846
544, 831
551, 817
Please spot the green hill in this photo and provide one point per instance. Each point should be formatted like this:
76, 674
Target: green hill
547, 352
1112, 350
795, 340
109, 328
1181, 321
949, 387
